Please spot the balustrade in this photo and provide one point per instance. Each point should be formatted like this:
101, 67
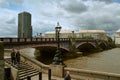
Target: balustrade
13, 40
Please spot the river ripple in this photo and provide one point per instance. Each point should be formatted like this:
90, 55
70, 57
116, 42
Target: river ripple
106, 61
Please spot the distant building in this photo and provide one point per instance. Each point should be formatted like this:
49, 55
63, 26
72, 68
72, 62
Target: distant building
93, 34
63, 34
117, 37
24, 25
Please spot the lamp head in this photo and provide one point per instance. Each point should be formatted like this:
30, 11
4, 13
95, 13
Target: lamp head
58, 27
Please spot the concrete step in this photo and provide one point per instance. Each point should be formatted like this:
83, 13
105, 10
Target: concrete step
24, 69
24, 75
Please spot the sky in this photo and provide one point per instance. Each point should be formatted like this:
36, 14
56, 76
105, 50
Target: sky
72, 15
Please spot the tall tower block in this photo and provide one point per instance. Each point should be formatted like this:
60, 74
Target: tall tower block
24, 25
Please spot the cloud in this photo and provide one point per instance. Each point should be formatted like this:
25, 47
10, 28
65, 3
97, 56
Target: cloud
96, 15
11, 21
106, 1
3, 3
72, 14
17, 1
8, 27
73, 6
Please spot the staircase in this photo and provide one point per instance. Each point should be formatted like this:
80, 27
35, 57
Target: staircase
24, 69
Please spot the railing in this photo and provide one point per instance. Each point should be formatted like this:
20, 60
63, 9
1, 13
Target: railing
13, 40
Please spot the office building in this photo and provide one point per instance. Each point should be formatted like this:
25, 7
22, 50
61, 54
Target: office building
24, 25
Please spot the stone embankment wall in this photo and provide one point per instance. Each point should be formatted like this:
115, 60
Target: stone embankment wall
75, 73
91, 75
1, 61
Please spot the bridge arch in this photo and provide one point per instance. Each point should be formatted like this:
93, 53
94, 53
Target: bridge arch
103, 45
47, 46
86, 46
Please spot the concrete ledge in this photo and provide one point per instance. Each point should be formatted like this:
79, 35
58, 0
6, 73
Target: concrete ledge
1, 69
1, 61
14, 72
83, 74
57, 70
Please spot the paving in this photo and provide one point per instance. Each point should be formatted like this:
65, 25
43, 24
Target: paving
45, 77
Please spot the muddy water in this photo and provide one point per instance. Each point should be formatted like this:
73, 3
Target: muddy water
106, 61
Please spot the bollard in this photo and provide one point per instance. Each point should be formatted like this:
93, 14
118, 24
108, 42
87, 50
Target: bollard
49, 74
40, 75
28, 78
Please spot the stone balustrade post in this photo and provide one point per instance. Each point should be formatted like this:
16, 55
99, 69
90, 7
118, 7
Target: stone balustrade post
1, 61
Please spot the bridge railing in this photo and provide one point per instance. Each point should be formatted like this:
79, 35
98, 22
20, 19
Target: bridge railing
14, 40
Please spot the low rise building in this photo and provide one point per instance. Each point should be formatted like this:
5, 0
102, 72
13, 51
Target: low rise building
92, 34
117, 37
63, 34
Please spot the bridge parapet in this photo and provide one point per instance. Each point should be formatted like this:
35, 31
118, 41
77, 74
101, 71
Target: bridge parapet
14, 40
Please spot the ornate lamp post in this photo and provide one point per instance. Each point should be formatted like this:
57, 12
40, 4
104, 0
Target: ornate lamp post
58, 58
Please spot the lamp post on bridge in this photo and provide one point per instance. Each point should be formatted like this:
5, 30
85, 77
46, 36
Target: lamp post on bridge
58, 58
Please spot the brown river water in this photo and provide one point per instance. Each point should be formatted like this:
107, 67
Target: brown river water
106, 61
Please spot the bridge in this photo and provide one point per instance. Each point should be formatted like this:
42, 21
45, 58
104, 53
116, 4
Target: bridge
66, 44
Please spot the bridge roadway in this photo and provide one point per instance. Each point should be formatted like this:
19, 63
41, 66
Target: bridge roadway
66, 44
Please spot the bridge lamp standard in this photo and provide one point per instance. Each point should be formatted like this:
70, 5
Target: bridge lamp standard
58, 58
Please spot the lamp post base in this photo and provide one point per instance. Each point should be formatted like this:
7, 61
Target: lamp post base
58, 58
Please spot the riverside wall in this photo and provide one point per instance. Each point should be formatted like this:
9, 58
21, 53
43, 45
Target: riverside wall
1, 61
75, 73
91, 75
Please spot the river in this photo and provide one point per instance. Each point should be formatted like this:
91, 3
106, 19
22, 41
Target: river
105, 61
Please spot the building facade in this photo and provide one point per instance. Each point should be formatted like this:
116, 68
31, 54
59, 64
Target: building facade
93, 34
63, 34
117, 37
83, 34
24, 25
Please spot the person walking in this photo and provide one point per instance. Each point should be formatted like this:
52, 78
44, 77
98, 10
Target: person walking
18, 57
13, 53
67, 76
